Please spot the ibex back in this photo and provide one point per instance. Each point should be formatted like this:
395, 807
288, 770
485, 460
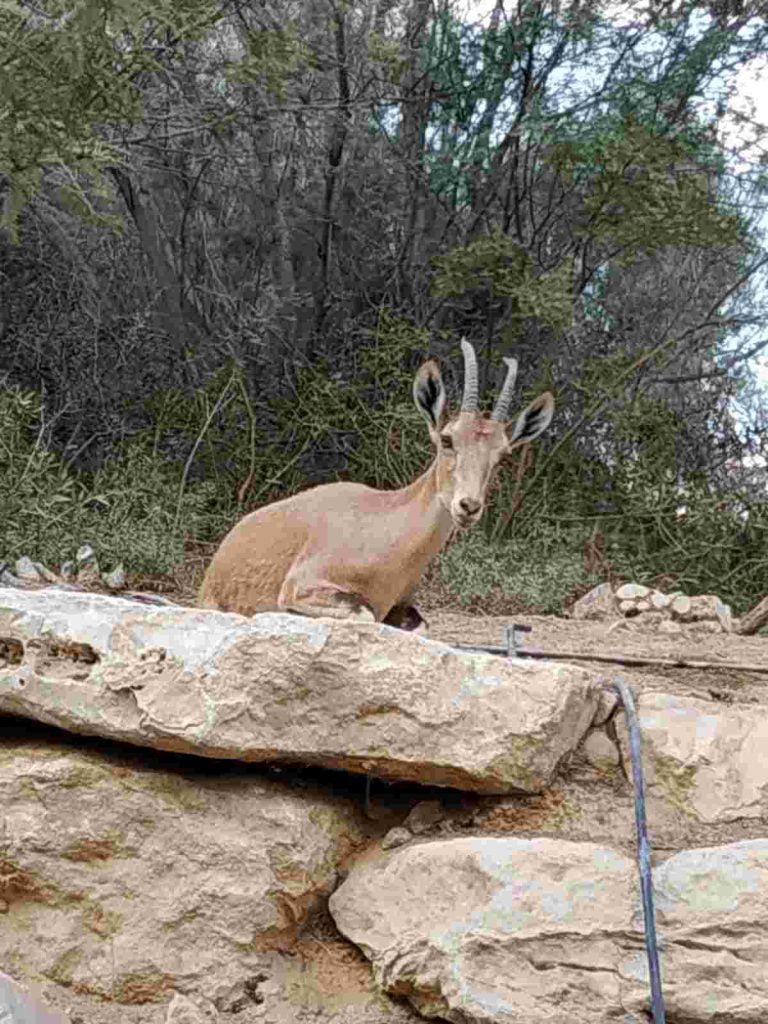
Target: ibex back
345, 550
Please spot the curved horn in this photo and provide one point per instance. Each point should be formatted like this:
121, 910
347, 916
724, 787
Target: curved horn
469, 400
501, 409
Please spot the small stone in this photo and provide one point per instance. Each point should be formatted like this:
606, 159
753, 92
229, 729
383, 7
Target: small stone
668, 626
26, 571
600, 751
115, 580
599, 603
606, 706
651, 621
7, 579
182, 1010
709, 606
659, 600
68, 571
627, 607
724, 616
704, 626
681, 607
423, 816
643, 606
84, 554
396, 837
88, 575
631, 591
45, 573
620, 625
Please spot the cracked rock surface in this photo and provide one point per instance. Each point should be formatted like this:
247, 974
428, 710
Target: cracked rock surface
364, 698
128, 881
487, 930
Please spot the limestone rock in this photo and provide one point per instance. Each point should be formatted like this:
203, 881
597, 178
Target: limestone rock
397, 836
89, 575
651, 621
704, 626
68, 572
620, 626
681, 607
181, 1010
606, 706
423, 816
632, 592
85, 554
660, 601
128, 880
7, 579
710, 607
712, 906
599, 603
601, 751
364, 698
26, 571
115, 579
627, 607
670, 627
45, 573
540, 931
705, 758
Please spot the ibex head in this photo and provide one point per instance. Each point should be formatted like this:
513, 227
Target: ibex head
470, 445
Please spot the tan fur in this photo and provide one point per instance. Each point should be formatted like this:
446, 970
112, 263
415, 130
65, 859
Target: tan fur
350, 551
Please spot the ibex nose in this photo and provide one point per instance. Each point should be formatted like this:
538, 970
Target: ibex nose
469, 505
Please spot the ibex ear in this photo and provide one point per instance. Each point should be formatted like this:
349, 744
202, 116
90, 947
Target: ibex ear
429, 394
533, 420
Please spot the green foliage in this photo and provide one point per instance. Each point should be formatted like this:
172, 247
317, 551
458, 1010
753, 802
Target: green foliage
478, 74
273, 56
38, 496
541, 574
130, 510
369, 421
496, 264
387, 53
70, 68
181, 479
654, 520
643, 191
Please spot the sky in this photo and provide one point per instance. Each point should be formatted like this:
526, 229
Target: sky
750, 98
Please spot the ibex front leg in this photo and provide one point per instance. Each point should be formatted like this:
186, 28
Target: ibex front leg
405, 615
322, 599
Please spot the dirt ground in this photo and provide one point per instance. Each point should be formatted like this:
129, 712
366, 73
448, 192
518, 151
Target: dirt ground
325, 979
628, 638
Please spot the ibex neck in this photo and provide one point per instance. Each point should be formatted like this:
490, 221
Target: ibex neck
429, 523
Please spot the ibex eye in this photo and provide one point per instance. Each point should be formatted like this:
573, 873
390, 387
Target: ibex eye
446, 441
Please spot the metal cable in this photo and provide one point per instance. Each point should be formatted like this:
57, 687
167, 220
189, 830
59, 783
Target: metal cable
643, 849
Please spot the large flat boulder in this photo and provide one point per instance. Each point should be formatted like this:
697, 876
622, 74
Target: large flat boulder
487, 930
129, 881
365, 698
704, 758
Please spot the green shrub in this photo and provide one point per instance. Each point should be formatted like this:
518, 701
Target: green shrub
542, 577
133, 510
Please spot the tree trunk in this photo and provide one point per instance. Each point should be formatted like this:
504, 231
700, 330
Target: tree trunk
754, 619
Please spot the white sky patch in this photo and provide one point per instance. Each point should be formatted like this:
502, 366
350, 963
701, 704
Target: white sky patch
740, 128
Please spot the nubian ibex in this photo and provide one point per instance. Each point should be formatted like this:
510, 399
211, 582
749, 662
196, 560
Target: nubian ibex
345, 550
